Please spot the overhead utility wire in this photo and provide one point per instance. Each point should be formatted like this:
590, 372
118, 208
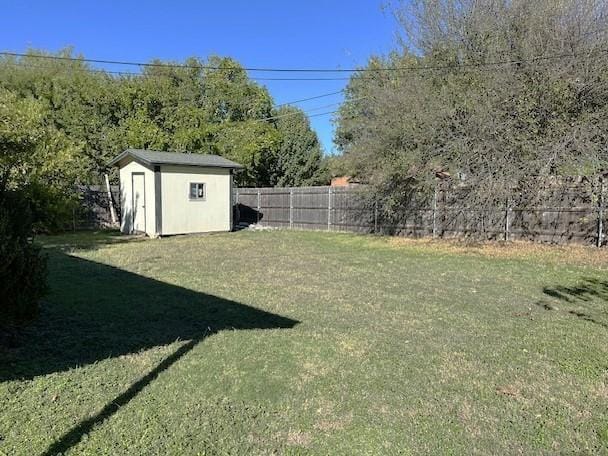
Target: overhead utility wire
311, 98
294, 113
490, 66
145, 75
85, 70
173, 65
299, 70
266, 118
413, 68
308, 110
324, 113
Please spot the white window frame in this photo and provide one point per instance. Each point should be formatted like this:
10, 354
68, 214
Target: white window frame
198, 185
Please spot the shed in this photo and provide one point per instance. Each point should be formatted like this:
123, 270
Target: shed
164, 193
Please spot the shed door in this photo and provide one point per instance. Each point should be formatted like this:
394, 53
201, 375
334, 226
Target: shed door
139, 202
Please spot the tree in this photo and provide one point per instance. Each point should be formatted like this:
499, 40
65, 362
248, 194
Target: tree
21, 130
299, 155
252, 144
455, 107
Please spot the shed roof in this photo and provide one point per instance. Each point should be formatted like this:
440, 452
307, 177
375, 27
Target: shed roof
154, 157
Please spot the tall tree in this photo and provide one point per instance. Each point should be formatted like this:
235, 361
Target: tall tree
299, 155
491, 90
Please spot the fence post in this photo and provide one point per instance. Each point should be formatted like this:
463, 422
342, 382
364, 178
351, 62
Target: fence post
600, 214
507, 218
258, 208
435, 211
290, 207
328, 208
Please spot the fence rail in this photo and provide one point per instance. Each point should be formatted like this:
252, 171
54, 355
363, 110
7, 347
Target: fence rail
567, 213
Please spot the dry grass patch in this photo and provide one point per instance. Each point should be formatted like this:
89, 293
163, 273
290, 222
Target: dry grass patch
299, 438
561, 254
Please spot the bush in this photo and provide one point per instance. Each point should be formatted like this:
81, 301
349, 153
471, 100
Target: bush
52, 209
22, 266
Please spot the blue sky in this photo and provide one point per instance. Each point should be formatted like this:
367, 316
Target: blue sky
263, 33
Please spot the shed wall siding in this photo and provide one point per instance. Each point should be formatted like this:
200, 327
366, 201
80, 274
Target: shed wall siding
180, 214
126, 196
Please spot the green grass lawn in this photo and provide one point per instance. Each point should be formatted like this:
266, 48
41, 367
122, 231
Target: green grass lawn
282, 342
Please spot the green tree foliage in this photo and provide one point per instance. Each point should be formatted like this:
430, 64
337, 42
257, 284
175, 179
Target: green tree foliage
20, 131
191, 107
22, 268
299, 160
455, 107
251, 143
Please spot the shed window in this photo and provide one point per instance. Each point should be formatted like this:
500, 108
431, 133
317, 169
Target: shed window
197, 191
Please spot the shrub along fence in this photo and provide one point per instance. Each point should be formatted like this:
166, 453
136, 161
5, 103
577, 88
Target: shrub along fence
569, 211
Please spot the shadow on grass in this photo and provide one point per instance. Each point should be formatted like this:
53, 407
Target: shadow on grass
95, 311
588, 300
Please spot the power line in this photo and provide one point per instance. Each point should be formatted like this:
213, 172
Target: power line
306, 113
78, 70
491, 67
132, 73
122, 73
255, 78
300, 70
175, 65
296, 113
324, 113
310, 98
363, 70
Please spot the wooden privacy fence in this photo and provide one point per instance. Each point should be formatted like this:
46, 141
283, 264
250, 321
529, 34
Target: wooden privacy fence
94, 210
325, 208
571, 212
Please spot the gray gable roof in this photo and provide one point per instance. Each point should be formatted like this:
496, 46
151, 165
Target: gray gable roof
154, 157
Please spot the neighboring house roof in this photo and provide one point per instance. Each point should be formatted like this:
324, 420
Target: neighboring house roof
340, 181
344, 181
154, 157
